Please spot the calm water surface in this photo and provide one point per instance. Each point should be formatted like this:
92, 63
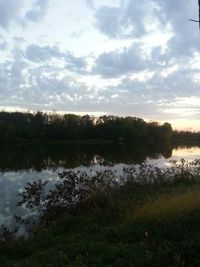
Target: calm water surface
22, 164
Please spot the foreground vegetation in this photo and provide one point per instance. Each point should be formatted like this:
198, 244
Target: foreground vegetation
152, 219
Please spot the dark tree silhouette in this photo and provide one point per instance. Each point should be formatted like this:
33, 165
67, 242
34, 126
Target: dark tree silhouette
26, 127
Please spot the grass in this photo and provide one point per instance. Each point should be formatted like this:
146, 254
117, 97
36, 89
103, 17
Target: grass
150, 225
170, 205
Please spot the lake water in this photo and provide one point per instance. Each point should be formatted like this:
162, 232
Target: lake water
22, 164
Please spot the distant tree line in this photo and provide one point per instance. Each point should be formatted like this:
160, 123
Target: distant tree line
18, 126
186, 136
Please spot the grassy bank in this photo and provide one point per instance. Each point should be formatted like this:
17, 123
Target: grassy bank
131, 225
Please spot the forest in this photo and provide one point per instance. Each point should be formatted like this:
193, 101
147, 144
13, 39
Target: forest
33, 127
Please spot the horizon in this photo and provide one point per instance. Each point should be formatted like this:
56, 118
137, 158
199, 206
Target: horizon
174, 124
102, 57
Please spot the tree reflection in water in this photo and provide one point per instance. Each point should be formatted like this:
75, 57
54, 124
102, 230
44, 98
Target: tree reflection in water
41, 157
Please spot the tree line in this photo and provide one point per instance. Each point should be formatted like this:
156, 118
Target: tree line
39, 126
186, 136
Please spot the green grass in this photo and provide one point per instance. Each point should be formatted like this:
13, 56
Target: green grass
169, 205
144, 226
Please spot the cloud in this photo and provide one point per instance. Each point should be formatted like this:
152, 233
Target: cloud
140, 21
36, 53
121, 62
125, 21
90, 4
38, 11
134, 18
3, 79
108, 21
40, 86
76, 64
186, 36
40, 54
3, 45
10, 11
133, 59
20, 12
16, 72
148, 78
144, 87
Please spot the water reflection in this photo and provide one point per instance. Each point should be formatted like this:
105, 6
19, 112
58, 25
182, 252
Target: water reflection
22, 164
43, 157
188, 152
12, 183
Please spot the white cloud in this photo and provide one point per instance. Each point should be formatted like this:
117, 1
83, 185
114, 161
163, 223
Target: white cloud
90, 4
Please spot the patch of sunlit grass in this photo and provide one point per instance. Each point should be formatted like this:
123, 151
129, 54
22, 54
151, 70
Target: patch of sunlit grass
169, 205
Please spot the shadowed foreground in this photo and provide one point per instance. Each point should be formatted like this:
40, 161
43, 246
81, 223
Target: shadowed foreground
151, 222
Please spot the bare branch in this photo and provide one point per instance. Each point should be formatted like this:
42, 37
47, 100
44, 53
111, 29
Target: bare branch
194, 20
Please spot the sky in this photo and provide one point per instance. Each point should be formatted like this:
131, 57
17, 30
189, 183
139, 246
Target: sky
120, 57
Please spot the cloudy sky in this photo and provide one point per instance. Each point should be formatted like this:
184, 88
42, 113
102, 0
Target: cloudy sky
121, 57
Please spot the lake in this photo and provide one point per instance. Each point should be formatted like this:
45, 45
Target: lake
27, 163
